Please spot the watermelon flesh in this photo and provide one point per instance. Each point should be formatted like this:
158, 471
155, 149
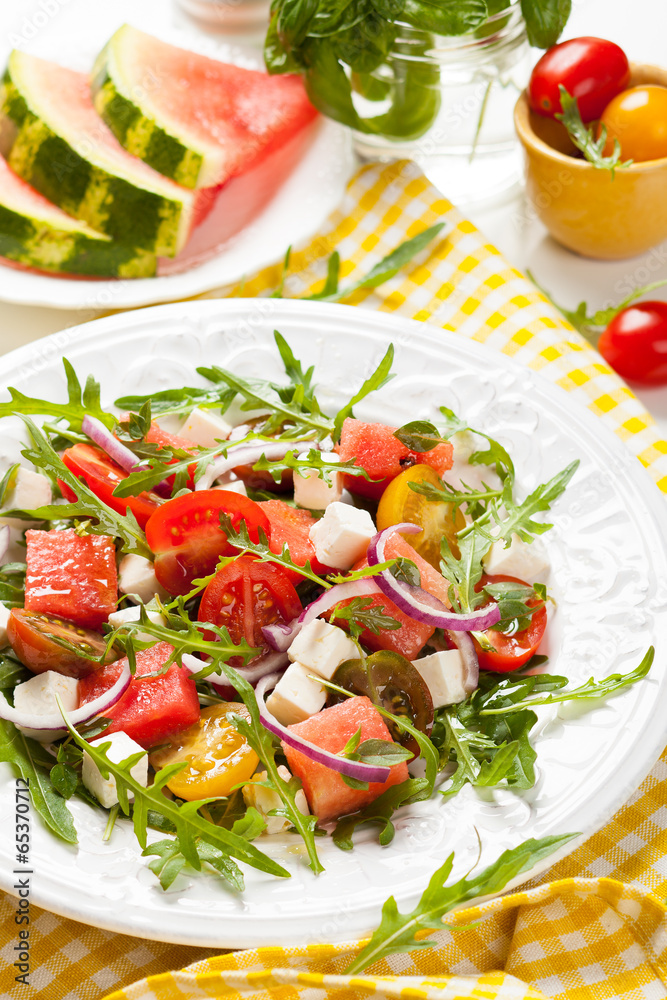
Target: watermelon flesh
34, 233
328, 795
195, 119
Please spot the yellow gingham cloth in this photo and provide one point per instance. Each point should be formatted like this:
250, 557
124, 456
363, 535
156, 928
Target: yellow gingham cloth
591, 928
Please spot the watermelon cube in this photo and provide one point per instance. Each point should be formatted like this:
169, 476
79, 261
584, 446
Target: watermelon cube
383, 456
153, 708
72, 576
328, 795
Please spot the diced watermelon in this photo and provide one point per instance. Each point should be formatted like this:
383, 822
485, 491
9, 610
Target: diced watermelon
152, 708
383, 456
72, 576
290, 526
412, 636
328, 795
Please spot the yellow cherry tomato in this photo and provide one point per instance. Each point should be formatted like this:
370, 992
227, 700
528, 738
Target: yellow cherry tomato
218, 756
638, 119
401, 503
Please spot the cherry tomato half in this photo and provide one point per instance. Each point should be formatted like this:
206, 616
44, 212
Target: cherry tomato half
246, 595
591, 69
401, 503
102, 476
187, 539
510, 651
41, 642
637, 118
392, 682
635, 343
218, 757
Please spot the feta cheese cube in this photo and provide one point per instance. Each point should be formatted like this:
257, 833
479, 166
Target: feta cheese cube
31, 489
321, 648
133, 614
38, 695
4, 618
122, 747
314, 492
235, 486
205, 428
136, 577
296, 696
342, 534
443, 673
265, 799
527, 561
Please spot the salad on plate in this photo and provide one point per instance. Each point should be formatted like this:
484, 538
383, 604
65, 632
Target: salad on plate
230, 615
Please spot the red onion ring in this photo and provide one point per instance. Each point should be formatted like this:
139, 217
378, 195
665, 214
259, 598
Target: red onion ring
117, 451
248, 454
260, 667
46, 728
418, 603
352, 768
466, 648
281, 637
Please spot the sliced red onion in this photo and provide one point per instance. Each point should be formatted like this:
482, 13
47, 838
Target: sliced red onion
281, 637
418, 603
5, 535
260, 667
114, 448
352, 768
46, 728
466, 648
248, 454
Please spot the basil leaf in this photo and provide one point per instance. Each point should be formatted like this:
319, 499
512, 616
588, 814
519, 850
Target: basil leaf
545, 20
419, 436
449, 17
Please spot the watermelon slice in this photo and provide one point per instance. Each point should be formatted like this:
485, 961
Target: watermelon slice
35, 233
328, 795
53, 138
194, 119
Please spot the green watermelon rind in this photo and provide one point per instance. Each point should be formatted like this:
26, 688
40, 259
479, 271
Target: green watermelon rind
108, 203
141, 135
48, 245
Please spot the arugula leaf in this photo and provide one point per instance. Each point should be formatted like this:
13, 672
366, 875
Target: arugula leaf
363, 614
519, 519
12, 584
377, 380
189, 825
8, 482
314, 461
582, 137
12, 672
171, 861
158, 466
398, 932
87, 506
261, 741
179, 401
79, 403
240, 539
378, 813
30, 761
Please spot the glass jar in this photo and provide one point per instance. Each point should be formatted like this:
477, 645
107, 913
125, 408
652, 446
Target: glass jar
465, 88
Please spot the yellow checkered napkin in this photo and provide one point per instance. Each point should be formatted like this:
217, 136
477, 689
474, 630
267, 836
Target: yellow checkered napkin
588, 935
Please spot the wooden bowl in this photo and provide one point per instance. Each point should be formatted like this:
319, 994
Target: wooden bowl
584, 208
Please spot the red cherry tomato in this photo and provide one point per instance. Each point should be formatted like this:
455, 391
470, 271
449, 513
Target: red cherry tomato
511, 651
102, 476
37, 639
246, 595
591, 69
187, 539
635, 343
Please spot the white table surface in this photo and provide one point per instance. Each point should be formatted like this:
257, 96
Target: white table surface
510, 226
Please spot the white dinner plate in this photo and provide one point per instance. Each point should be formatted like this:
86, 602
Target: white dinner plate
609, 566
315, 187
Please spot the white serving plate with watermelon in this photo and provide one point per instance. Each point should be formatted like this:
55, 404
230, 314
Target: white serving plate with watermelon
608, 553
317, 163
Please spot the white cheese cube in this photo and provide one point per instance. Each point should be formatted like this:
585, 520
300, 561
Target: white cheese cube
133, 614
314, 492
122, 747
265, 799
4, 618
296, 696
526, 561
235, 486
30, 490
38, 695
136, 577
321, 648
443, 673
342, 534
205, 428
